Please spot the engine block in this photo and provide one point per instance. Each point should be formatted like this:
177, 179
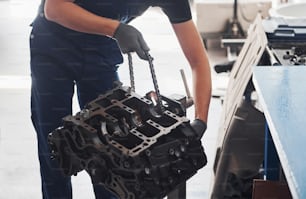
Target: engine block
122, 141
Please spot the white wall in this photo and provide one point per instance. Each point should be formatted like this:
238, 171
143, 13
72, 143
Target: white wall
213, 15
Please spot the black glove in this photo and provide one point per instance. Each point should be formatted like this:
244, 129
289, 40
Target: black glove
130, 40
199, 127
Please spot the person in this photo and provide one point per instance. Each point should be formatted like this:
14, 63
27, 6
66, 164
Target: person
80, 44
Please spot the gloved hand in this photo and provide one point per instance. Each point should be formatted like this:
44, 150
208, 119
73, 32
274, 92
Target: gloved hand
199, 127
130, 40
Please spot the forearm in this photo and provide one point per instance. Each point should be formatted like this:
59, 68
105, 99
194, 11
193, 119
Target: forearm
72, 16
196, 55
201, 90
201, 76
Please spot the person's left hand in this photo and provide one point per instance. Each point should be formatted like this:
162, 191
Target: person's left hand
199, 126
131, 40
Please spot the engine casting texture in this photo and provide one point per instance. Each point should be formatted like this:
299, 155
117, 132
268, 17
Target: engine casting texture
122, 141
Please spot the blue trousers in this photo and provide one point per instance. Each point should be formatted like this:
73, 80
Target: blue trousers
57, 67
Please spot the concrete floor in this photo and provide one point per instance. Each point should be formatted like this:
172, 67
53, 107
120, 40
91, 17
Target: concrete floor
19, 169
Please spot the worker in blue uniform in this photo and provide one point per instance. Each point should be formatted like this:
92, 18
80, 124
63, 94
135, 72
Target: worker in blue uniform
78, 43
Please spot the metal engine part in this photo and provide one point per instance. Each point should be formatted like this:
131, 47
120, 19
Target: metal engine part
122, 141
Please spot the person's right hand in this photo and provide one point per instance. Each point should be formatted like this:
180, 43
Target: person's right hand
130, 39
199, 126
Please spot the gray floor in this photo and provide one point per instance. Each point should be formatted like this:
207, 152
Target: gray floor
19, 169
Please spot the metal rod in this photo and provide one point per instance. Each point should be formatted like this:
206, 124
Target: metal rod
273, 60
185, 84
189, 100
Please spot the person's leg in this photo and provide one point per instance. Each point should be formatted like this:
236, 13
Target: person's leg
55, 62
96, 80
50, 101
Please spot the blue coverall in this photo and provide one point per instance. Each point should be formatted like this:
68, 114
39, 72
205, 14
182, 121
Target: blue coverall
62, 58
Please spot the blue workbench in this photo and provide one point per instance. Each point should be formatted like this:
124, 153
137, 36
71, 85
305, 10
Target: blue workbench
282, 96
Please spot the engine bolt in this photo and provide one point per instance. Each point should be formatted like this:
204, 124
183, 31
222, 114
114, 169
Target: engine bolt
148, 152
171, 151
126, 164
177, 153
147, 170
183, 149
85, 113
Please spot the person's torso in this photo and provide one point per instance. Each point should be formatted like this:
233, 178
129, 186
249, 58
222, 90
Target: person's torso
102, 46
122, 10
